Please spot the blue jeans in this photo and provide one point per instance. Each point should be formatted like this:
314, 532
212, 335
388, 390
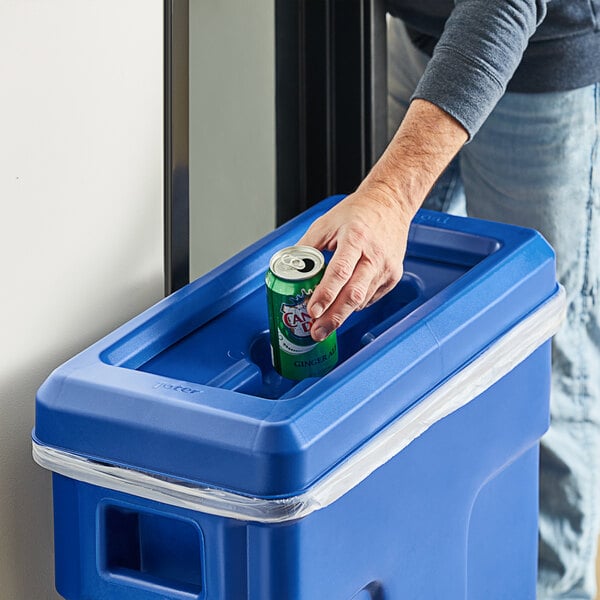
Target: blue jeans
536, 162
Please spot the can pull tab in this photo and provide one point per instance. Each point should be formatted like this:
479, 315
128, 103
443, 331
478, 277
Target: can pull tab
302, 265
296, 263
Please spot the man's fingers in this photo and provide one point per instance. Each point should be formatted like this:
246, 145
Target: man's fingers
337, 274
382, 291
352, 296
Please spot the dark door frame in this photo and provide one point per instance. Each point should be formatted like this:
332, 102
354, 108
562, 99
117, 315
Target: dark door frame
331, 97
331, 105
176, 210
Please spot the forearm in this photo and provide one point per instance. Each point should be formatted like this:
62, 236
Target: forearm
425, 143
368, 229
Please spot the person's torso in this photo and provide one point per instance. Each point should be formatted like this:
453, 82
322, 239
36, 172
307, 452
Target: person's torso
565, 18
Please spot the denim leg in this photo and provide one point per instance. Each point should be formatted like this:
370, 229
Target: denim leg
536, 163
406, 64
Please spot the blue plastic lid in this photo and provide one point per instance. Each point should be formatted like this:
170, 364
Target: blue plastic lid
186, 389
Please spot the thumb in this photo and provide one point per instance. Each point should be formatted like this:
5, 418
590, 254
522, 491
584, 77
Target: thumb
312, 237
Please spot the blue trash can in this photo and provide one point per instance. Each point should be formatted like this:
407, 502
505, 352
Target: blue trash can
185, 468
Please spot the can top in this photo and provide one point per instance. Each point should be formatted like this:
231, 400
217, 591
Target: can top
297, 263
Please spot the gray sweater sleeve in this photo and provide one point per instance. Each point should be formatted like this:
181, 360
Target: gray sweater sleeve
481, 46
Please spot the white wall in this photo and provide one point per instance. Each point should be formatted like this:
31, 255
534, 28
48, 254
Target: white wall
232, 127
80, 222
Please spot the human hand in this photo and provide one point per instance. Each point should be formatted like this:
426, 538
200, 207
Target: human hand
367, 232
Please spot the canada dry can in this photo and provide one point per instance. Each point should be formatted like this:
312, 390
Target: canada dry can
291, 279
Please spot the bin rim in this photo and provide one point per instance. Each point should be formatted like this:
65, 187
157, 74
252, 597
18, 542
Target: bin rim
493, 363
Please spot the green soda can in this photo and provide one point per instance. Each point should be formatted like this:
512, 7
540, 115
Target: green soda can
291, 279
